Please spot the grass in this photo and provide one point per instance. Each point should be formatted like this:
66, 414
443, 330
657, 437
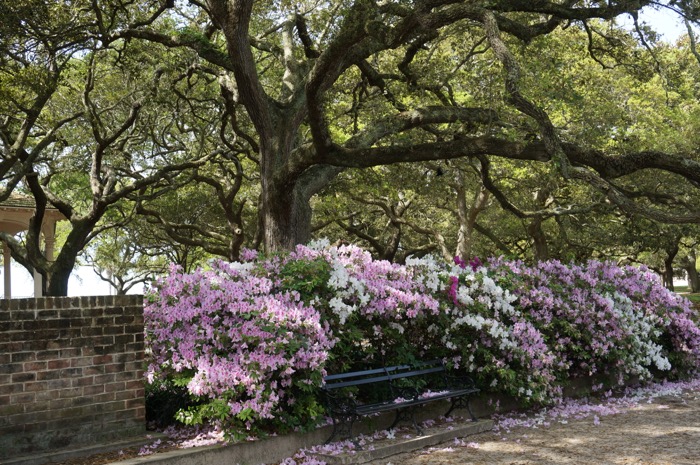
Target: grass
685, 291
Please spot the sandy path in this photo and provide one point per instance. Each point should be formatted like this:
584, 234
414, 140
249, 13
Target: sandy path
665, 431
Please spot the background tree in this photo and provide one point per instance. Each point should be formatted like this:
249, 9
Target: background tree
301, 94
288, 65
91, 132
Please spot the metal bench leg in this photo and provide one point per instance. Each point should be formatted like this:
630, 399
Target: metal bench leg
342, 429
461, 402
407, 414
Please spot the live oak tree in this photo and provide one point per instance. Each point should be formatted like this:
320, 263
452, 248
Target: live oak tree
313, 89
291, 63
86, 122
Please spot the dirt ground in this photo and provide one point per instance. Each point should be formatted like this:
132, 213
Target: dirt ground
661, 429
663, 432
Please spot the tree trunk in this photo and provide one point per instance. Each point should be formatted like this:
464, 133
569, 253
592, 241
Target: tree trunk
286, 208
467, 215
689, 265
58, 274
671, 253
286, 218
539, 239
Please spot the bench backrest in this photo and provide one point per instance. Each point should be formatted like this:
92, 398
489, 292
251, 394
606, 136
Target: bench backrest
385, 374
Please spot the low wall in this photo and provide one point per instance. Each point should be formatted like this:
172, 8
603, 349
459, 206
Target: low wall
71, 372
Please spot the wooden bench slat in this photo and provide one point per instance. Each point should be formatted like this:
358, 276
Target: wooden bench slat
349, 410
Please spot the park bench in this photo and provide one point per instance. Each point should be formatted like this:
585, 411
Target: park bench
402, 388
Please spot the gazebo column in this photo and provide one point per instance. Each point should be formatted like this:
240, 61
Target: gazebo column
7, 264
38, 292
49, 241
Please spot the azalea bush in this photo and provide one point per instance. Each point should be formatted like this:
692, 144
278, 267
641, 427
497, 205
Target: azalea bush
249, 352
251, 341
599, 317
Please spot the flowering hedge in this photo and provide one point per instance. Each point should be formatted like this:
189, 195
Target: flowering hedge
252, 340
251, 352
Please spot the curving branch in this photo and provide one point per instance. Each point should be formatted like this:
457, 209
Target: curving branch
518, 100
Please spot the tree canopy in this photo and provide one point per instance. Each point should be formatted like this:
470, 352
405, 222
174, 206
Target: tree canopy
522, 118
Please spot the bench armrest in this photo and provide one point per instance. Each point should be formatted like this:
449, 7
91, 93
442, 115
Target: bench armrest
339, 405
459, 381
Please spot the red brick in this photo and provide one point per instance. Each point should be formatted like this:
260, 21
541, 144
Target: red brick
81, 362
22, 398
92, 331
59, 383
114, 406
104, 321
57, 364
47, 354
47, 375
123, 376
35, 427
37, 405
71, 372
18, 357
23, 377
136, 384
123, 395
11, 388
9, 368
104, 341
133, 366
114, 387
126, 414
106, 397
5, 400
94, 370
86, 381
135, 403
124, 339
122, 358
48, 395
94, 389
70, 352
114, 368
88, 351
36, 386
104, 379
124, 319
60, 404
114, 330
102, 359
71, 393
35, 366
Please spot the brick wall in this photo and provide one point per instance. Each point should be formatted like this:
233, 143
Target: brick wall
71, 372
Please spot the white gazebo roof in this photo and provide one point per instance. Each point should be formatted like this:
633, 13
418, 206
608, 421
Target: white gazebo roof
15, 213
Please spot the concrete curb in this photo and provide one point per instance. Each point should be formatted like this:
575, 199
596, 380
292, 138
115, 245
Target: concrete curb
57, 456
268, 450
277, 448
408, 445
